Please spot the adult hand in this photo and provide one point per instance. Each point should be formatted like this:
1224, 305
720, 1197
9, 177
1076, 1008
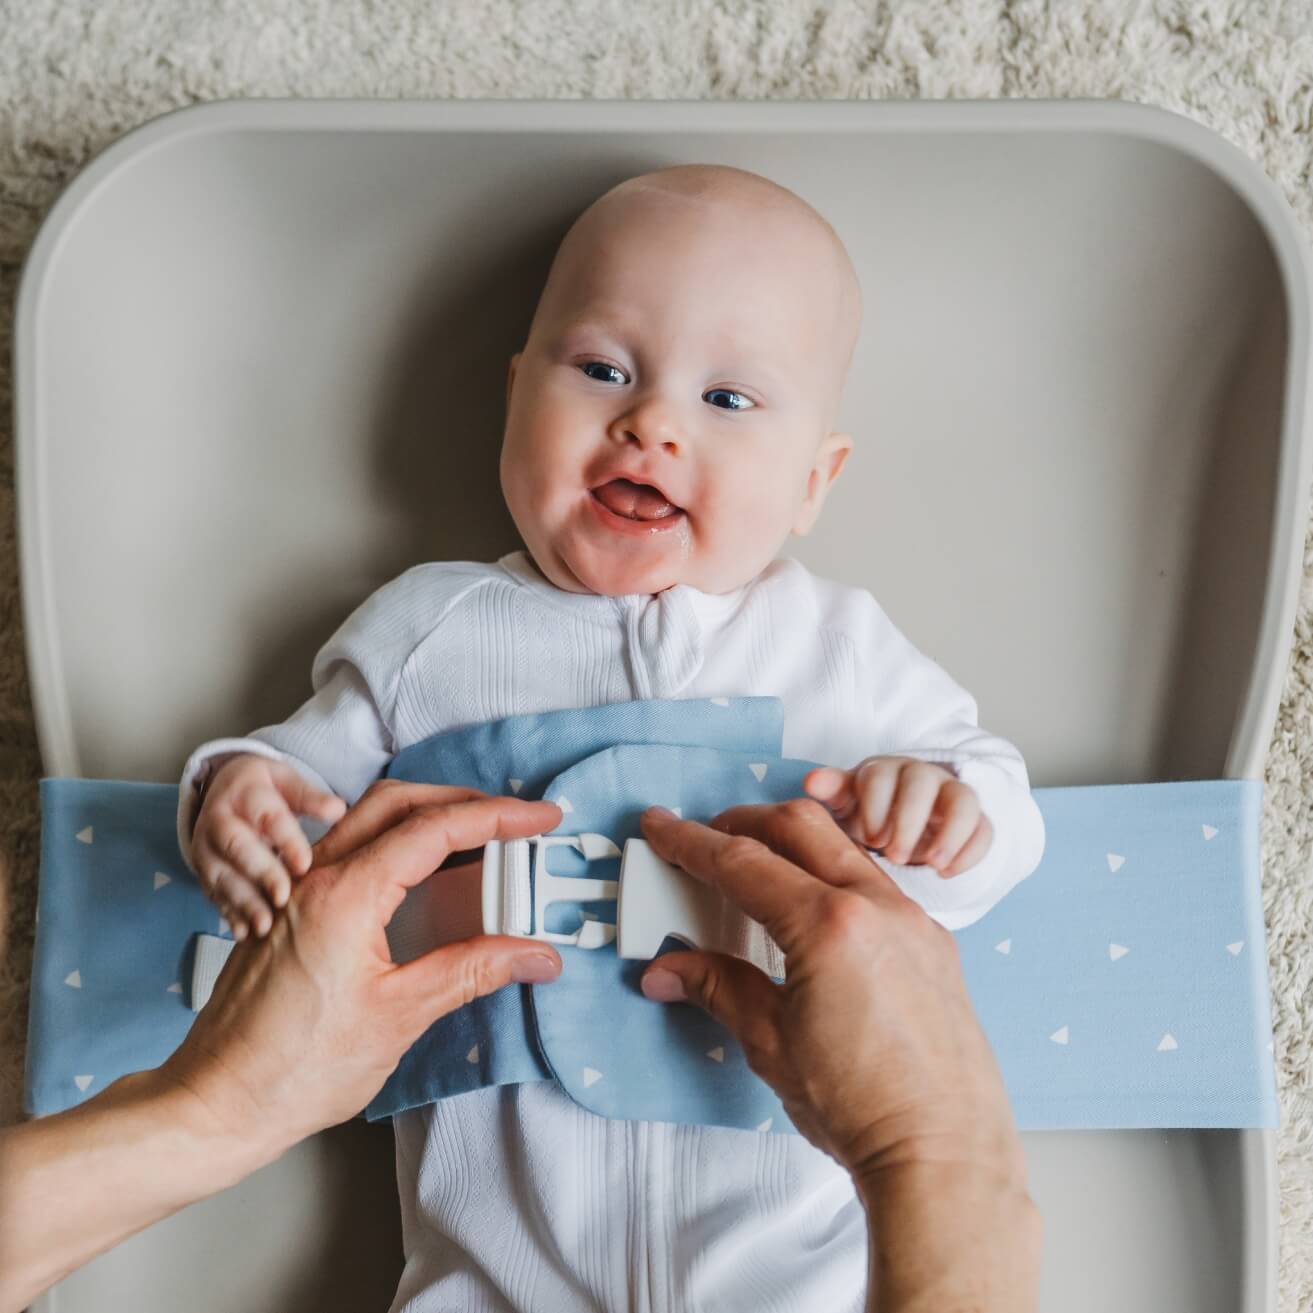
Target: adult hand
305, 1025
873, 1048
302, 1029
871, 1042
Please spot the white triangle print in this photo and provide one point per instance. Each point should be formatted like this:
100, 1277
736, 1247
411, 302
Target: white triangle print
83, 1081
720, 702
767, 1124
717, 1054
85, 836
516, 785
473, 1055
1061, 1036
1117, 951
74, 979
758, 768
591, 1077
1167, 1044
174, 988
565, 804
1115, 862
1005, 947
1234, 949
1210, 832
161, 880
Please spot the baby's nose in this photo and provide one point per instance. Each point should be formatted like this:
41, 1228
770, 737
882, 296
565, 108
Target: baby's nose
645, 441
652, 426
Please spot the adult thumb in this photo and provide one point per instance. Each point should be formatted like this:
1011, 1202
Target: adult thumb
733, 991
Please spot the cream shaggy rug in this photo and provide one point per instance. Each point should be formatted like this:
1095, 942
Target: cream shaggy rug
75, 74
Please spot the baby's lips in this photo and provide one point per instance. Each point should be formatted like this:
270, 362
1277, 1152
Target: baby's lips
635, 501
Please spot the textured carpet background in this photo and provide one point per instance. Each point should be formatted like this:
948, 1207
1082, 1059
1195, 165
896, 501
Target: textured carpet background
75, 74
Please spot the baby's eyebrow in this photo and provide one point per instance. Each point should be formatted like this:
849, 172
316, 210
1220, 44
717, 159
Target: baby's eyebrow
593, 326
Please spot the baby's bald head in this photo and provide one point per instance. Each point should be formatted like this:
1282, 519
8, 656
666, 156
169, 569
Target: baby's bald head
671, 416
744, 212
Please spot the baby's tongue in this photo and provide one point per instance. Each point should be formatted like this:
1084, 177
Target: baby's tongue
635, 501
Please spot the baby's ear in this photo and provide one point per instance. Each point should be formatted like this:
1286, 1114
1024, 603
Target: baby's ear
830, 457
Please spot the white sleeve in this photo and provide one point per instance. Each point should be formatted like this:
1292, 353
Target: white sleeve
920, 711
342, 739
337, 741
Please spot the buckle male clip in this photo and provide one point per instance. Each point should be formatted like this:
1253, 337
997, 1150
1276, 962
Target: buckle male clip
654, 899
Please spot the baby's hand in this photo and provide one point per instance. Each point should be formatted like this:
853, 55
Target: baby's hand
247, 846
910, 811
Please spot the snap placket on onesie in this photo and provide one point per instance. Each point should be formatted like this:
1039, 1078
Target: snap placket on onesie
663, 642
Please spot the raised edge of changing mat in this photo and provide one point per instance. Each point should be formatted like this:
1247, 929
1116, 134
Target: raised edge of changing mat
1123, 985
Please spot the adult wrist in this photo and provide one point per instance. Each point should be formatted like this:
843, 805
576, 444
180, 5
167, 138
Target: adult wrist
226, 1147
951, 1237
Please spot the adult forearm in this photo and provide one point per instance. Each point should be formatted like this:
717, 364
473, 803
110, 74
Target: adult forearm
943, 1240
96, 1174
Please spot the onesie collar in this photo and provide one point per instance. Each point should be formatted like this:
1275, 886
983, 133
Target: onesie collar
706, 606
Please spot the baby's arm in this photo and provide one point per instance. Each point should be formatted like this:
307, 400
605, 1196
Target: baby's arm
240, 798
927, 744
335, 746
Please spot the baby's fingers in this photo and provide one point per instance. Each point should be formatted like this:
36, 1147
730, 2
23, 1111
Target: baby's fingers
877, 785
247, 908
832, 787
270, 817
229, 891
214, 877
918, 788
973, 851
858, 799
239, 847
957, 814
303, 798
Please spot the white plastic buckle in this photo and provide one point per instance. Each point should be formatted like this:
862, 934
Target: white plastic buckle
513, 904
658, 899
654, 899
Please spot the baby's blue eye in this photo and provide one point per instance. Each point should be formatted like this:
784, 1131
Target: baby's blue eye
603, 372
741, 403
601, 364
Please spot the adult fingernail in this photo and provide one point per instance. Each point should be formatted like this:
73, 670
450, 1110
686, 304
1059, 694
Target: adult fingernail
659, 811
536, 970
663, 986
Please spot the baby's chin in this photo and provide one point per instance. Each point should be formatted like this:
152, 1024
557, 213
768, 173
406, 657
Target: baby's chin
619, 578
617, 572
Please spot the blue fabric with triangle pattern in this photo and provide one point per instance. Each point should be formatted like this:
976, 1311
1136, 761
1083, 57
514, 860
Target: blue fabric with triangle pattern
1122, 985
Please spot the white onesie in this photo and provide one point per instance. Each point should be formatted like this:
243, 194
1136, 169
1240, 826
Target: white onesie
514, 1198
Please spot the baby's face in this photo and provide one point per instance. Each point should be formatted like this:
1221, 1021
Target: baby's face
669, 419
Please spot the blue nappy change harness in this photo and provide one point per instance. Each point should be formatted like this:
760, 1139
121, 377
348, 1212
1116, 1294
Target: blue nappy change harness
1122, 985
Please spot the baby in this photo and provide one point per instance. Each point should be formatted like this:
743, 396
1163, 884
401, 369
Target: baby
670, 422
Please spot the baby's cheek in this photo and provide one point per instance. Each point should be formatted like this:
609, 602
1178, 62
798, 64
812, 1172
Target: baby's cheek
744, 526
530, 497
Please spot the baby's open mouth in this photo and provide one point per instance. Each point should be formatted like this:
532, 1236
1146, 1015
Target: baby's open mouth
635, 501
